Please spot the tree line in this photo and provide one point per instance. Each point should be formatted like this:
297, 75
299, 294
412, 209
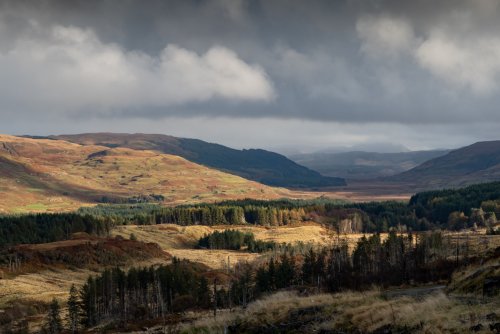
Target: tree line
477, 205
425, 211
436, 206
49, 227
138, 294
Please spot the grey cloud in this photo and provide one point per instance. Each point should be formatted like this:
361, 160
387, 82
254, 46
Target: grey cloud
70, 69
407, 63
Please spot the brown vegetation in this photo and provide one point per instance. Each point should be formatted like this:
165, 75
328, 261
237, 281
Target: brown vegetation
89, 253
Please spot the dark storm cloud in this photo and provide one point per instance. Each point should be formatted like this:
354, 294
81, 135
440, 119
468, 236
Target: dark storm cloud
408, 63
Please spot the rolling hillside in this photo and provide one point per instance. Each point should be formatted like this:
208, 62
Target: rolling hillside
254, 164
54, 175
477, 163
359, 165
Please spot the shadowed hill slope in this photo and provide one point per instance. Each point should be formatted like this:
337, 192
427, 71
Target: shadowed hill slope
255, 164
477, 163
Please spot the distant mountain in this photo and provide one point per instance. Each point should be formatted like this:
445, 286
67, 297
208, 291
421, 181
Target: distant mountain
366, 147
360, 165
56, 175
477, 163
259, 165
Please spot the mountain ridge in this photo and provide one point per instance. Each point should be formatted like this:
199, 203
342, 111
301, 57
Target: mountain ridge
259, 165
475, 163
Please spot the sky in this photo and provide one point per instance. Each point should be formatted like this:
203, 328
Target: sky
287, 75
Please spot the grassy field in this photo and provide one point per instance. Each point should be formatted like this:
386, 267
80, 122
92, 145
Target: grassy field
40, 286
179, 241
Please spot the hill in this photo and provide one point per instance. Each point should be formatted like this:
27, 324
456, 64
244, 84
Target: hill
364, 165
84, 252
254, 164
477, 163
55, 175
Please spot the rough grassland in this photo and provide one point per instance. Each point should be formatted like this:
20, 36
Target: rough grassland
179, 241
353, 312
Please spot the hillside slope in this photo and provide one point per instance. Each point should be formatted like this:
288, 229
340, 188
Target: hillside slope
259, 165
54, 175
361, 165
477, 163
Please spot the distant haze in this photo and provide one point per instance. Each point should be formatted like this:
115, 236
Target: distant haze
295, 76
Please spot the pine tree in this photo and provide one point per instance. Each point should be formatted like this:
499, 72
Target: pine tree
308, 267
285, 272
73, 316
203, 293
271, 274
54, 323
89, 303
262, 280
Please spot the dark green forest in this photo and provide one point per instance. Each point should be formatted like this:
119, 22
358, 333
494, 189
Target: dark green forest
236, 240
42, 228
436, 206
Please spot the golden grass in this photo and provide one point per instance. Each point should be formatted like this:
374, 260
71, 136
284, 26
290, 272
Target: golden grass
179, 241
470, 280
478, 241
215, 259
263, 311
357, 311
42, 286
176, 236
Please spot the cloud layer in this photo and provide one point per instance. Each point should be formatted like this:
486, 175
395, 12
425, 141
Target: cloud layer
68, 69
470, 63
376, 65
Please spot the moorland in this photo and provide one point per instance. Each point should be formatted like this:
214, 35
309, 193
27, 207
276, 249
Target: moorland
98, 237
